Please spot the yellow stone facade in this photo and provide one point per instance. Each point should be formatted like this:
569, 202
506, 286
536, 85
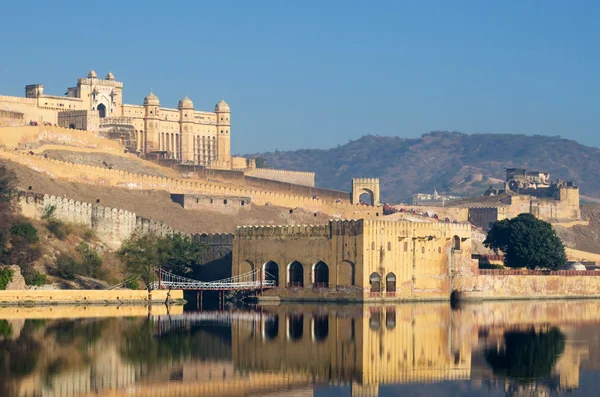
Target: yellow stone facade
182, 133
399, 260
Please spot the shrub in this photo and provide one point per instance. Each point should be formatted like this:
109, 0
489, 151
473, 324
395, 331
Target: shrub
35, 278
132, 284
91, 261
60, 229
49, 211
6, 276
25, 230
66, 267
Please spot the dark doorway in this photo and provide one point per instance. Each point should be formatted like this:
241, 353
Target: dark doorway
321, 275
296, 274
102, 110
271, 272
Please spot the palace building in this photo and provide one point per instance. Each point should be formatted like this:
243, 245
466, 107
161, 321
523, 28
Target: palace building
96, 104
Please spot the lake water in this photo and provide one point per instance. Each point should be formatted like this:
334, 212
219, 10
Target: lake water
485, 349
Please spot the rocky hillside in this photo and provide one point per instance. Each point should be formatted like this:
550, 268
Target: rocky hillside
442, 160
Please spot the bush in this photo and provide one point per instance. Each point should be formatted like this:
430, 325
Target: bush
66, 267
25, 230
132, 284
6, 276
35, 278
91, 261
60, 229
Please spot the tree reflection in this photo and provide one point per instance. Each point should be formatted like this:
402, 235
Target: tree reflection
527, 355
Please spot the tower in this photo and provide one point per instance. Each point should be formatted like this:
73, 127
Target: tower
369, 186
223, 128
186, 129
149, 139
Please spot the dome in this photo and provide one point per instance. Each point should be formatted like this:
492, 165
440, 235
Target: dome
151, 99
222, 106
110, 76
185, 103
92, 74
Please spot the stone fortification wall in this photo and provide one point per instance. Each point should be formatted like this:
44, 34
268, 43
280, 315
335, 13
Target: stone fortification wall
501, 284
294, 177
102, 176
25, 297
284, 232
111, 225
28, 107
263, 183
453, 213
547, 209
79, 119
11, 115
227, 204
483, 216
22, 136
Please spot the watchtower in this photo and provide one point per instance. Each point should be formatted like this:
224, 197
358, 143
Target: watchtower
365, 185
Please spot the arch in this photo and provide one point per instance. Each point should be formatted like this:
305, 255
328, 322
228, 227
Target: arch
246, 267
271, 272
456, 243
346, 273
271, 328
295, 326
102, 110
320, 275
320, 327
295, 274
375, 281
72, 126
390, 282
366, 196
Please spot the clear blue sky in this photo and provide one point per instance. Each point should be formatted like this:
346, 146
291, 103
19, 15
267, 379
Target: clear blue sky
314, 74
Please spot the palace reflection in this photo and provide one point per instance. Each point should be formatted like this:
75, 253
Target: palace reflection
287, 350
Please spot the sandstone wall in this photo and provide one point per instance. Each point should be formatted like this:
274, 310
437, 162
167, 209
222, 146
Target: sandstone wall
223, 204
500, 284
86, 296
102, 176
453, 213
294, 177
29, 108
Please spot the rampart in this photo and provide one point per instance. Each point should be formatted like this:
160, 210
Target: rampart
24, 136
107, 177
502, 284
294, 177
11, 115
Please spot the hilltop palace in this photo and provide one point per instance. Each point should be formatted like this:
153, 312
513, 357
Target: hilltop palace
184, 134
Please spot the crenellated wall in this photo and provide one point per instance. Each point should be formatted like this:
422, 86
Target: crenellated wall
28, 107
107, 177
295, 177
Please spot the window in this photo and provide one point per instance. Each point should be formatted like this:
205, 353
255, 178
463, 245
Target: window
389, 246
439, 250
423, 249
225, 201
373, 245
405, 246
242, 203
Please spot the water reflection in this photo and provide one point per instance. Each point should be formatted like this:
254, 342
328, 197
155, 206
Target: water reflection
513, 349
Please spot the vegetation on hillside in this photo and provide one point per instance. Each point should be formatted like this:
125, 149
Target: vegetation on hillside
441, 160
526, 242
178, 254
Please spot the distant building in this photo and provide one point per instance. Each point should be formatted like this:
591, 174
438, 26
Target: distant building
432, 200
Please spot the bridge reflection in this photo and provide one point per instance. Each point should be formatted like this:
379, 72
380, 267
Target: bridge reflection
289, 349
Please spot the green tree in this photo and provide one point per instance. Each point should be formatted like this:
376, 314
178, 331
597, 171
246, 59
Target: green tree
140, 256
527, 242
180, 254
261, 162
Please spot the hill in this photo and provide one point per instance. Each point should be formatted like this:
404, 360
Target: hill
442, 160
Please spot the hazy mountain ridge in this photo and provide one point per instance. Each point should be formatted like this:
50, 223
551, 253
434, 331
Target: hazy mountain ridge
442, 159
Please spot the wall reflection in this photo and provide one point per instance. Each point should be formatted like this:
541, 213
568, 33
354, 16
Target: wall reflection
514, 347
